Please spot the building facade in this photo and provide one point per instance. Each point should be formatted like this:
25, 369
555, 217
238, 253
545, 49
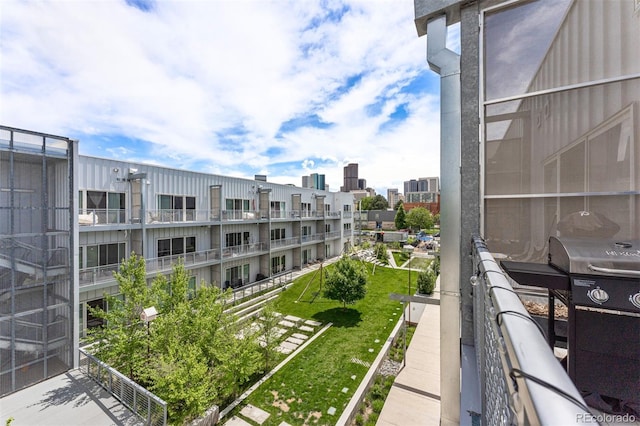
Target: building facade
229, 231
67, 222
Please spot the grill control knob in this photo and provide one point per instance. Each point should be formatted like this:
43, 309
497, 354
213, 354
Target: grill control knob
598, 295
635, 300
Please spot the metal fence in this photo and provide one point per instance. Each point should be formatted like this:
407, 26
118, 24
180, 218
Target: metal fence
143, 403
251, 290
522, 383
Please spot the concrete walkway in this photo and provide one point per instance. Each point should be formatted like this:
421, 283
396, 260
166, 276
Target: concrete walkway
414, 399
66, 400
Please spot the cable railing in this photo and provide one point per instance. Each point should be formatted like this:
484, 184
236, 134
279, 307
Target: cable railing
150, 408
521, 381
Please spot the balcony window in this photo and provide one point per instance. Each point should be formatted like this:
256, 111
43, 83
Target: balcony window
104, 207
176, 208
233, 239
237, 276
278, 264
176, 246
101, 255
278, 209
278, 234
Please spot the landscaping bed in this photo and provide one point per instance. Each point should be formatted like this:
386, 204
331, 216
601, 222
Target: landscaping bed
316, 385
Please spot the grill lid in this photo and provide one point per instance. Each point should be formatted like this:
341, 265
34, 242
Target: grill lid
594, 256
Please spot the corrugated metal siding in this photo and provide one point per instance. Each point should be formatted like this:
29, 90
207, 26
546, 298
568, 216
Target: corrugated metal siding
597, 41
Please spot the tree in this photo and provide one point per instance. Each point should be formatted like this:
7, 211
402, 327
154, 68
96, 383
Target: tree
191, 355
239, 358
346, 282
122, 341
374, 203
401, 217
419, 218
268, 334
398, 204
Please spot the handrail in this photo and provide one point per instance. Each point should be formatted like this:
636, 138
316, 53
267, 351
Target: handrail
522, 381
143, 403
96, 274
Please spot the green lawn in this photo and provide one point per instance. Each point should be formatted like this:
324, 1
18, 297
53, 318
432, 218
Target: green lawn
305, 389
400, 257
419, 263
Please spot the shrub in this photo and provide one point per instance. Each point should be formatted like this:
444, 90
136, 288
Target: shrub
377, 405
426, 281
435, 266
380, 251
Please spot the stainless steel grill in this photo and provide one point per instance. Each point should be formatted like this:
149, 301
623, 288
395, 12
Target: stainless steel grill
599, 281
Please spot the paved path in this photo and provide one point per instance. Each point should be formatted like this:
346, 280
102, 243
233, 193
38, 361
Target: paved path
414, 399
66, 400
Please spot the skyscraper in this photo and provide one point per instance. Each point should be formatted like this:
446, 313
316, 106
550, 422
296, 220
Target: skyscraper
350, 178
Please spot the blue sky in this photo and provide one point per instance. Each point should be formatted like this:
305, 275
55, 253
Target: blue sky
281, 88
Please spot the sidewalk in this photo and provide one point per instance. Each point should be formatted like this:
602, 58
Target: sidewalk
68, 399
414, 399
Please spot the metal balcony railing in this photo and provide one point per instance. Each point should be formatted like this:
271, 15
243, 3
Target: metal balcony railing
97, 217
333, 234
521, 381
150, 408
285, 242
95, 275
92, 217
281, 214
242, 250
241, 215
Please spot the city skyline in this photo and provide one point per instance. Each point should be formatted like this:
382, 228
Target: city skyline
232, 88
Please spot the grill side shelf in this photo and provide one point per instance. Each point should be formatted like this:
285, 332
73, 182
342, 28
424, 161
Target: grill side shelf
536, 274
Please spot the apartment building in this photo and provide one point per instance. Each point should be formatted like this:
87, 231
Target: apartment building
230, 231
95, 212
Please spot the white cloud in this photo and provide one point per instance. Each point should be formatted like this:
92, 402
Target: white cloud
188, 71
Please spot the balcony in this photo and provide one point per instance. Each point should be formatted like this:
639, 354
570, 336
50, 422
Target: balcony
333, 234
101, 217
103, 274
234, 215
177, 216
307, 214
283, 214
520, 380
94, 217
243, 250
285, 242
